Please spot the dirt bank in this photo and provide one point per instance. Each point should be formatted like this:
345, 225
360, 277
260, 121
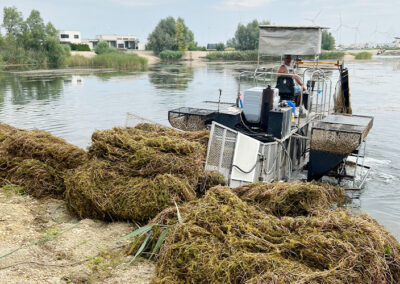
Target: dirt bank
67, 251
149, 55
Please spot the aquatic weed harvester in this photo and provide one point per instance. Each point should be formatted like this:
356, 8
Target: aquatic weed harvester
278, 131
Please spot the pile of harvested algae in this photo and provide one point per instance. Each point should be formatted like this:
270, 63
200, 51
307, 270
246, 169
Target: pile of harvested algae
36, 160
135, 173
257, 233
225, 239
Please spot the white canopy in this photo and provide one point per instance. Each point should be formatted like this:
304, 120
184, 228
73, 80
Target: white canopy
294, 40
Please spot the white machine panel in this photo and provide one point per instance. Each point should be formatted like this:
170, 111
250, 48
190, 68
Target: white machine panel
252, 99
245, 158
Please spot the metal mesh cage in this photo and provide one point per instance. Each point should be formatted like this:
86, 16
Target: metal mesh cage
189, 119
221, 153
221, 148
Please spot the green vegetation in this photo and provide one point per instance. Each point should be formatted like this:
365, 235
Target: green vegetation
246, 37
104, 47
193, 47
247, 55
170, 55
328, 41
171, 35
220, 46
30, 42
79, 47
363, 55
332, 55
115, 60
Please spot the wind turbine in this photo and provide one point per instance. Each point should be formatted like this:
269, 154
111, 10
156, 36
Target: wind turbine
375, 32
356, 31
339, 29
313, 19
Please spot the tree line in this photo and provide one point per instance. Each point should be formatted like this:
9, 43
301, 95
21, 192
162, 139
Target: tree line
171, 34
30, 41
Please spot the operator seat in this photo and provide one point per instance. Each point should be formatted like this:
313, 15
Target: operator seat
287, 90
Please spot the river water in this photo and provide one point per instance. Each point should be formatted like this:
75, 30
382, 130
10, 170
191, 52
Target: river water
73, 106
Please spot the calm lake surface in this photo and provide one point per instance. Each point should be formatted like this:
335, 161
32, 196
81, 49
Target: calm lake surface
73, 106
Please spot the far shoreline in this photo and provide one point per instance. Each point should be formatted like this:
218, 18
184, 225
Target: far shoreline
192, 58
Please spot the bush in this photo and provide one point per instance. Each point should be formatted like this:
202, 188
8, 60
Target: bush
220, 46
247, 55
331, 55
104, 47
192, 47
363, 55
170, 55
79, 47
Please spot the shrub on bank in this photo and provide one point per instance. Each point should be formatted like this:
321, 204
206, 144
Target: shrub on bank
170, 55
246, 55
363, 55
79, 47
118, 61
196, 48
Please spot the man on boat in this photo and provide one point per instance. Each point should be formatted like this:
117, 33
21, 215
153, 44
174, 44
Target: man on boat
287, 68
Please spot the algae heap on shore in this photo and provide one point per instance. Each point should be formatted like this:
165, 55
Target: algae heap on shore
258, 233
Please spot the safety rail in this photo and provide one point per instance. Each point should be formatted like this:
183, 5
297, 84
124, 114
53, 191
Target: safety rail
320, 111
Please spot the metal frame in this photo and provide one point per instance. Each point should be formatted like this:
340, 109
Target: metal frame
274, 160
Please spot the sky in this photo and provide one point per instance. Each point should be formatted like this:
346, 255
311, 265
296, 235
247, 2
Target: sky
350, 21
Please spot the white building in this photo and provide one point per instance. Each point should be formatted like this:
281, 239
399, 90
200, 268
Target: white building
70, 37
397, 41
118, 41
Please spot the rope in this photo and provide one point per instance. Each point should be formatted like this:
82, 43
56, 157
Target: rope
44, 240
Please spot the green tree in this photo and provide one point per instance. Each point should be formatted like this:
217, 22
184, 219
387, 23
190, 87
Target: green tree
34, 31
165, 36
328, 41
180, 36
12, 20
30, 41
220, 46
246, 37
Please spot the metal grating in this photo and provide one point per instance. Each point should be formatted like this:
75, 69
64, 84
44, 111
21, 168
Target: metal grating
221, 148
221, 152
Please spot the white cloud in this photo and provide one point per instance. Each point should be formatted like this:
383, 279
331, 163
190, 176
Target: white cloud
242, 4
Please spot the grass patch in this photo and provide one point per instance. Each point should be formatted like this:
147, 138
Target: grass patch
247, 55
115, 60
171, 55
363, 55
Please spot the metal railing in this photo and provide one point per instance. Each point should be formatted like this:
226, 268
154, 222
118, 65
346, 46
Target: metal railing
321, 100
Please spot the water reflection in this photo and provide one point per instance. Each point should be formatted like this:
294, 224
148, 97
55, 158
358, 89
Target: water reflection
171, 76
26, 89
